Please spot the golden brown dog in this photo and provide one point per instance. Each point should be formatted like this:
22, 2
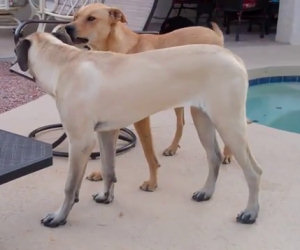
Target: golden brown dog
104, 28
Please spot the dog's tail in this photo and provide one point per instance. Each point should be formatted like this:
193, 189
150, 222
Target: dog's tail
216, 28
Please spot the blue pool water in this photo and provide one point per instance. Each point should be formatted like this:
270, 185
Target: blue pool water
275, 105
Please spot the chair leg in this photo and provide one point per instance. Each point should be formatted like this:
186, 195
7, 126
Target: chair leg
267, 24
169, 12
237, 34
209, 18
262, 29
180, 9
198, 14
224, 19
215, 17
227, 23
267, 30
250, 26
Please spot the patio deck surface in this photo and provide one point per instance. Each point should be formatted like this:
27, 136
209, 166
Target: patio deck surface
166, 218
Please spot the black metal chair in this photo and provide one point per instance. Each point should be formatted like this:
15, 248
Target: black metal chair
200, 6
240, 11
272, 15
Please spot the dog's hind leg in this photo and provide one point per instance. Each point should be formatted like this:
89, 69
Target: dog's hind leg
171, 150
227, 152
207, 135
107, 143
233, 132
79, 152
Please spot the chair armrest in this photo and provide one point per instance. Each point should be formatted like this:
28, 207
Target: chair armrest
18, 31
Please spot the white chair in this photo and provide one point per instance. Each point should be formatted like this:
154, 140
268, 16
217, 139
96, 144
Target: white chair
138, 12
7, 14
62, 10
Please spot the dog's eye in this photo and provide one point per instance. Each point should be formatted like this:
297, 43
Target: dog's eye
90, 18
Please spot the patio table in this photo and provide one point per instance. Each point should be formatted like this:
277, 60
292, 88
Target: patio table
21, 155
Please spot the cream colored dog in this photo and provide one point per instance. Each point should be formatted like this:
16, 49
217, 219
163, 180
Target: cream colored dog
90, 89
104, 28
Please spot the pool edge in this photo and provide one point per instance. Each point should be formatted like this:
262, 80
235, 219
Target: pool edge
274, 71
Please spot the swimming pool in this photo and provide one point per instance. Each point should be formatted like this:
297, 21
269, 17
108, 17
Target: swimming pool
275, 104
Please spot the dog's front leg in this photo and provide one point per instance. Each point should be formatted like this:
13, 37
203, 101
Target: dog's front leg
143, 129
207, 135
171, 150
107, 143
79, 152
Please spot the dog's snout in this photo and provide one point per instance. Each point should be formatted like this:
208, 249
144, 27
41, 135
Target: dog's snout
70, 29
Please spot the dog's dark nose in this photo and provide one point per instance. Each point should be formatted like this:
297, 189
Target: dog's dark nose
70, 29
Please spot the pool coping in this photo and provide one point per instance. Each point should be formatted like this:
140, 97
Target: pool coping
274, 74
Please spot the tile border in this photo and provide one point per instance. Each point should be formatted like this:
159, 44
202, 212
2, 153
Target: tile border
275, 74
274, 79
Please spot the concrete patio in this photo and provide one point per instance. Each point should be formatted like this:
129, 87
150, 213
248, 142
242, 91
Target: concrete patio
166, 218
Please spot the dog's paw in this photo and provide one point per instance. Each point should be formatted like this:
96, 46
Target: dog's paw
246, 217
105, 198
200, 196
52, 220
170, 151
148, 186
226, 159
95, 176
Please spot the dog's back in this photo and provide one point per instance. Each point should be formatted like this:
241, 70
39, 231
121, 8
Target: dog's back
157, 79
178, 22
179, 37
174, 23
165, 78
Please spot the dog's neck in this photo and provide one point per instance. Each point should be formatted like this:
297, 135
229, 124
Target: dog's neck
115, 40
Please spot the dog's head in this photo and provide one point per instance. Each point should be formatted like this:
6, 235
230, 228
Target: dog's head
23, 47
93, 23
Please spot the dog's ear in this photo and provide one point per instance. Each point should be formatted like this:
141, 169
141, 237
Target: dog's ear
117, 15
22, 54
63, 37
